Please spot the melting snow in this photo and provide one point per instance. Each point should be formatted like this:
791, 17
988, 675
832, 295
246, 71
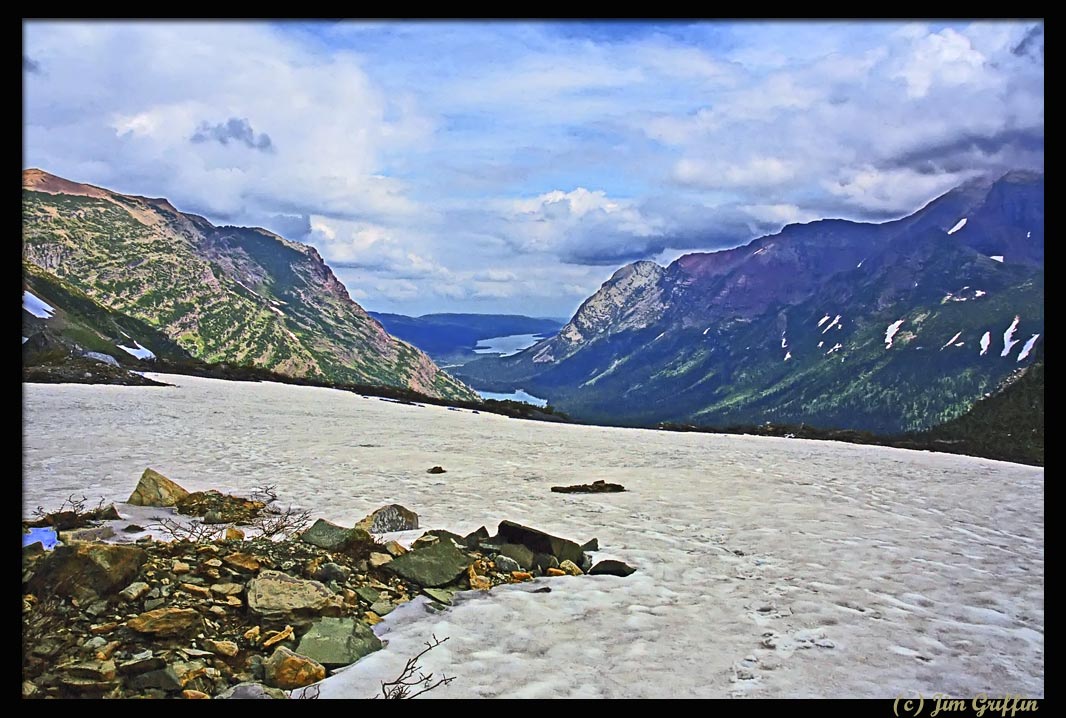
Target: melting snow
986, 340
706, 330
891, 332
1008, 337
758, 251
835, 347
659, 337
831, 324
820, 344
788, 355
1028, 347
35, 306
979, 293
997, 258
823, 320
961, 344
951, 341
139, 352
25, 339
1028, 235
859, 264
784, 342
958, 225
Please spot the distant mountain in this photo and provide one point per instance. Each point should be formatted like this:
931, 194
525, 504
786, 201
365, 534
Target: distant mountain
221, 294
882, 327
451, 338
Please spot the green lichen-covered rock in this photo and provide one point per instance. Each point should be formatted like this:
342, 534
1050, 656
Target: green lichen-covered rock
336, 642
436, 565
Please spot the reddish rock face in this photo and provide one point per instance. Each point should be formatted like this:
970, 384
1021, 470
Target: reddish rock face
166, 621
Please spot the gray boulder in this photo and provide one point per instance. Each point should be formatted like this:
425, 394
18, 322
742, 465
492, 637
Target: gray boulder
336, 642
436, 565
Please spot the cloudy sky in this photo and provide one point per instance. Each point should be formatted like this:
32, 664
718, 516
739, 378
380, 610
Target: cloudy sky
512, 166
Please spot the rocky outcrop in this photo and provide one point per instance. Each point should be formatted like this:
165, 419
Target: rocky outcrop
540, 542
154, 489
611, 568
596, 487
332, 537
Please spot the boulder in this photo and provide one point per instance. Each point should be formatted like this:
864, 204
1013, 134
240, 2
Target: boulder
436, 470
166, 621
540, 542
331, 537
223, 648
134, 591
94, 670
571, 568
377, 560
332, 572
389, 518
336, 642
543, 561
288, 670
87, 534
611, 568
278, 596
237, 561
474, 538
87, 570
247, 691
506, 564
435, 565
596, 487
518, 553
154, 489
593, 544
395, 548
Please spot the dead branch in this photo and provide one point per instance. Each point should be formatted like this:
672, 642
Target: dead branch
412, 677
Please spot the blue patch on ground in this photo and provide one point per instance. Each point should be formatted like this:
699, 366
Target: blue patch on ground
46, 536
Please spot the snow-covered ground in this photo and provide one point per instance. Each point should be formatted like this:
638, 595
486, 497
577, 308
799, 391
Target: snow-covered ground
767, 567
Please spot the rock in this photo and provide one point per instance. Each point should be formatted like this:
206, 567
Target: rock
277, 637
133, 528
521, 554
474, 538
824, 643
336, 642
252, 634
164, 679
593, 544
134, 591
435, 565
540, 542
555, 572
154, 489
596, 487
179, 567
93, 670
436, 470
247, 691
214, 517
288, 670
29, 690
95, 642
222, 648
586, 563
153, 603
239, 562
233, 533
192, 695
571, 568
372, 618
440, 595
442, 534
395, 548
382, 608
218, 508
192, 588
543, 561
278, 596
370, 595
389, 518
226, 589
107, 513
611, 568
332, 537
477, 582
506, 564
377, 560
332, 572
91, 533
86, 685
87, 570
98, 628
107, 651
521, 576
166, 622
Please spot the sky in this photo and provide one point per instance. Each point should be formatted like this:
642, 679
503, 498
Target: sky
512, 167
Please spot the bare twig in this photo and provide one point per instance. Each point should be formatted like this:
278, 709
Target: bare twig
267, 493
195, 531
412, 677
273, 522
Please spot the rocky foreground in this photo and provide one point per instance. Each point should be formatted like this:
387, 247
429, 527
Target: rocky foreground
216, 612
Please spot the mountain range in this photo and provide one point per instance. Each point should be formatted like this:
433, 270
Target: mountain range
132, 276
887, 327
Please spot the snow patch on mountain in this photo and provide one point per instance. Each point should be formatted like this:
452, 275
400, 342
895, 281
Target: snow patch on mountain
831, 324
1008, 337
997, 258
891, 332
835, 347
1028, 347
986, 341
788, 355
35, 306
958, 225
979, 293
823, 320
951, 341
138, 351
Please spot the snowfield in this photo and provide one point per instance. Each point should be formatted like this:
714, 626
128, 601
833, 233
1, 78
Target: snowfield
766, 567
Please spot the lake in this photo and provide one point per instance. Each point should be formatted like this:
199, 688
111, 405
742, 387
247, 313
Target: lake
508, 345
518, 395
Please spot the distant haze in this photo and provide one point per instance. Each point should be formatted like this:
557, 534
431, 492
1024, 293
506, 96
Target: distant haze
511, 167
